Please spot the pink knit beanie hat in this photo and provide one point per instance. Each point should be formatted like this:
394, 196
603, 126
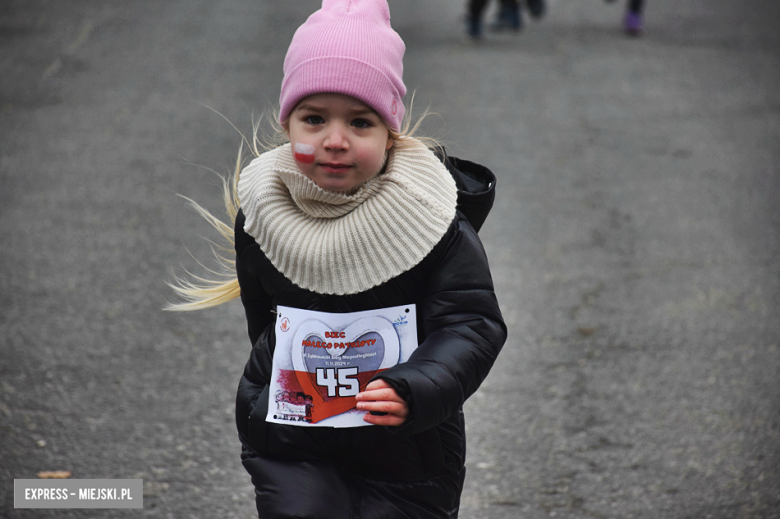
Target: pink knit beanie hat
347, 47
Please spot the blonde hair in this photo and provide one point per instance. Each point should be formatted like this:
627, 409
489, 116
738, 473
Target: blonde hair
199, 293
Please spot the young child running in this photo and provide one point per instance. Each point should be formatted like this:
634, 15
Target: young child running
367, 292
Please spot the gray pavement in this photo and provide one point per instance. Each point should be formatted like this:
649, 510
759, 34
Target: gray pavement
635, 245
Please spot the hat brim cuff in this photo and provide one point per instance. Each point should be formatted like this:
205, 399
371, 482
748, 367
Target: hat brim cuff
346, 76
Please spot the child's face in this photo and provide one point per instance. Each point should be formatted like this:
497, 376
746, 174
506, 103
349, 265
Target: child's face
337, 141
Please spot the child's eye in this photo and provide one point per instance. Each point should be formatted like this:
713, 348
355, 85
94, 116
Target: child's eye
314, 119
361, 123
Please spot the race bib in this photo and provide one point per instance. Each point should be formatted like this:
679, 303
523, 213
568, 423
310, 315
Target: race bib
323, 360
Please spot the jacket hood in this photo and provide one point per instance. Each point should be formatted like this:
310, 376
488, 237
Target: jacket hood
476, 186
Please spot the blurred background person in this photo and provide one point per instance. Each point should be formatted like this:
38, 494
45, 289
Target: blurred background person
508, 17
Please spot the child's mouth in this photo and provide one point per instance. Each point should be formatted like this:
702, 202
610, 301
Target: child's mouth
331, 167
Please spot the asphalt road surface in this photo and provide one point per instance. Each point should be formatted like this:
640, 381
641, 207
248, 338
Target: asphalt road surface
635, 246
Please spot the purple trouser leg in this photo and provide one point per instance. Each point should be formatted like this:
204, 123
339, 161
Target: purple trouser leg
633, 21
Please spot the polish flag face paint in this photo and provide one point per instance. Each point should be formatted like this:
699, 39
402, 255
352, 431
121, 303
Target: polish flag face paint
304, 153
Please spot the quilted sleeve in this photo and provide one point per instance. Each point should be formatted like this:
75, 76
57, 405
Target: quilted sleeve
463, 332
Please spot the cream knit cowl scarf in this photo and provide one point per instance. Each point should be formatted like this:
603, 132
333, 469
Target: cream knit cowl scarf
334, 243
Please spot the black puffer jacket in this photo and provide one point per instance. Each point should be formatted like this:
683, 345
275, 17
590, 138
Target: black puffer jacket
415, 470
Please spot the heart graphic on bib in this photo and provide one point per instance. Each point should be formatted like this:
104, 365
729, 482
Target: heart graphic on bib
334, 365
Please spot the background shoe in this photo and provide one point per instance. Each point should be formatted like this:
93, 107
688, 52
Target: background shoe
536, 8
473, 27
509, 17
633, 24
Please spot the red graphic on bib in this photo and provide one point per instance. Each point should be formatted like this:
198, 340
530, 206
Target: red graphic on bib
322, 405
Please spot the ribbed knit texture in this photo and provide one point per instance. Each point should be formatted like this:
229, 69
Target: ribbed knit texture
332, 243
347, 47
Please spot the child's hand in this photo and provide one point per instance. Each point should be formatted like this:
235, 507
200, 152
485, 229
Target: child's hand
379, 396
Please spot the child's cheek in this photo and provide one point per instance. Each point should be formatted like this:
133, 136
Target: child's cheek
304, 153
371, 159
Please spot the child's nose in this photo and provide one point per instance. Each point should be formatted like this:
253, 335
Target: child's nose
336, 138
